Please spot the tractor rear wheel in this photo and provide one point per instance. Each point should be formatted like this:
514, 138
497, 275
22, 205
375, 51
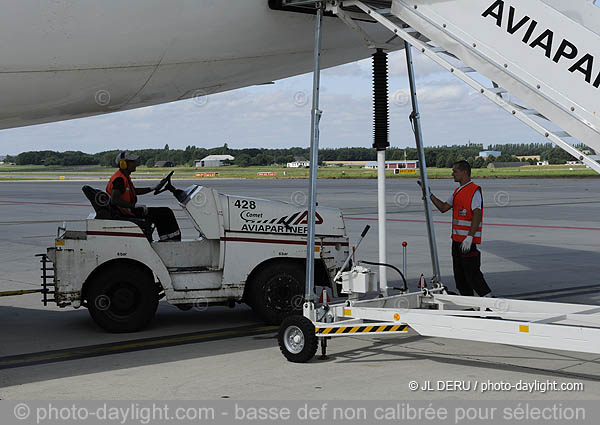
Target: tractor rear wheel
122, 298
277, 291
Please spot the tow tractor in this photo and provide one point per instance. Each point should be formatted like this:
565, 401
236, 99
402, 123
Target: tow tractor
248, 250
541, 60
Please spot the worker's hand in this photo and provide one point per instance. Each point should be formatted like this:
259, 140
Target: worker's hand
421, 186
466, 245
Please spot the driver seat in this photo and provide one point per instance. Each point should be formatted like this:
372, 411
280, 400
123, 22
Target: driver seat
105, 210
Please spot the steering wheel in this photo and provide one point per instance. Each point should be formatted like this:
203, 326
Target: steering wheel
164, 185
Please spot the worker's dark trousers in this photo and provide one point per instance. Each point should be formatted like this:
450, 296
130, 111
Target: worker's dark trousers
165, 222
467, 273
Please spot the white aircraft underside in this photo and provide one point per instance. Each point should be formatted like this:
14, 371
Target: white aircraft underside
64, 59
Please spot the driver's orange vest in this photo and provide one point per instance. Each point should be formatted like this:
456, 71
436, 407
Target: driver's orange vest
128, 195
462, 214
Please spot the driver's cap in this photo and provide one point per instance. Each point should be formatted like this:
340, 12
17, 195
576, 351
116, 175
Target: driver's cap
126, 156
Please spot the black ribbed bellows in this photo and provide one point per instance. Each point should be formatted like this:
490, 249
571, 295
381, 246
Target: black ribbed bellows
381, 116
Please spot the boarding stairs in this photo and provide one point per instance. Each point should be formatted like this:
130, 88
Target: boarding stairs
542, 56
539, 57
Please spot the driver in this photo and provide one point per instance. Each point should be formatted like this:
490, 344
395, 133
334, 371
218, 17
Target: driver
124, 196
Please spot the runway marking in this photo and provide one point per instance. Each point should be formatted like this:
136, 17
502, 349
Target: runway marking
119, 347
532, 226
389, 204
20, 223
60, 204
557, 293
3, 279
19, 292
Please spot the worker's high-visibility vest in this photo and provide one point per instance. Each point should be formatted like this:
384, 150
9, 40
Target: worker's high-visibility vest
462, 214
127, 196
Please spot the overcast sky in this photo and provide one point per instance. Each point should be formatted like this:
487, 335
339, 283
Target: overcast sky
275, 116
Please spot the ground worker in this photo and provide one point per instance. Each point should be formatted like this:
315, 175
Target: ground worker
466, 204
124, 196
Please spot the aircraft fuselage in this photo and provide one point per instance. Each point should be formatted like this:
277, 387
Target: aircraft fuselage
66, 59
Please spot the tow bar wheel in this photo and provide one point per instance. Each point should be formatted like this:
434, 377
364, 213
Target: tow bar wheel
297, 339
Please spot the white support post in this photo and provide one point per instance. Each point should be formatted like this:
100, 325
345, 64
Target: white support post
382, 221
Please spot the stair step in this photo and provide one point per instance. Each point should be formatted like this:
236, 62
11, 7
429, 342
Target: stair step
529, 112
438, 49
385, 12
561, 134
497, 90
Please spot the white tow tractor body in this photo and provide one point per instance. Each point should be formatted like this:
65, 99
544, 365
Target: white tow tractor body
241, 240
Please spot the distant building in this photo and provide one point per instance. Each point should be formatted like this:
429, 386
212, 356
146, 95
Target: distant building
540, 163
214, 161
164, 164
299, 163
345, 163
507, 164
487, 154
2, 158
574, 162
393, 165
527, 157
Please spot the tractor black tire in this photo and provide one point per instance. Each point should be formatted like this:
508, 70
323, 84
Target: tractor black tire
277, 291
122, 298
297, 339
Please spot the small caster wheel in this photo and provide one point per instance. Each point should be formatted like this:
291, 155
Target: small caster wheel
297, 339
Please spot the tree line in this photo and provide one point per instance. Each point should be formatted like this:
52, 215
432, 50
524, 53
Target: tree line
436, 156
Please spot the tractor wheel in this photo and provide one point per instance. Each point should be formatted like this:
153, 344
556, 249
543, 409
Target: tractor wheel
297, 339
277, 291
122, 298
